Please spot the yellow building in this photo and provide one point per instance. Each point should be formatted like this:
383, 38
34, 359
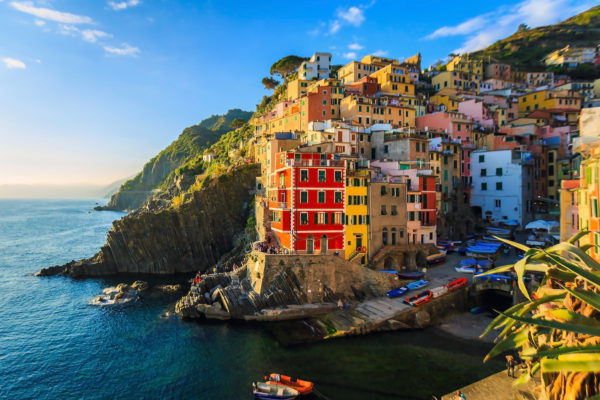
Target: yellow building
355, 70
456, 80
466, 64
356, 228
297, 88
548, 99
447, 98
394, 79
588, 202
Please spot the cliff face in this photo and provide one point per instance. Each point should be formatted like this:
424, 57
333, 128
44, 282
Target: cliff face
187, 238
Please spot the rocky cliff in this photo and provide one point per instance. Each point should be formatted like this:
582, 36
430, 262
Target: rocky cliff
189, 237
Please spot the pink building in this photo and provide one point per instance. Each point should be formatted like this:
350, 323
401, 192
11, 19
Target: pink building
477, 111
455, 124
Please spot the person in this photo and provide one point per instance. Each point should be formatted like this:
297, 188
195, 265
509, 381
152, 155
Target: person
460, 395
510, 366
340, 304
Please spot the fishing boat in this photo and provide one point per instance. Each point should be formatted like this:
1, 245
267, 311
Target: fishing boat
500, 232
417, 285
273, 392
438, 291
456, 284
494, 278
411, 275
419, 298
397, 292
303, 387
464, 270
436, 258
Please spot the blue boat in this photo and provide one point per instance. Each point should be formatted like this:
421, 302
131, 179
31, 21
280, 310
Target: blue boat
397, 292
494, 278
417, 285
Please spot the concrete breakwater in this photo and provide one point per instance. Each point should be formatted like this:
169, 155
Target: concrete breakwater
306, 289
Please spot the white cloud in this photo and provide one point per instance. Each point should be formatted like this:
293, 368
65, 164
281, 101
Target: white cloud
122, 5
13, 63
92, 35
355, 46
351, 16
39, 22
124, 50
351, 55
485, 29
380, 53
463, 28
27, 7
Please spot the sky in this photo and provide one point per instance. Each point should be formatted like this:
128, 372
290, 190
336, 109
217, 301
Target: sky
90, 90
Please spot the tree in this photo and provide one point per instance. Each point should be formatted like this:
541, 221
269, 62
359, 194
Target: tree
237, 123
286, 65
522, 27
270, 83
557, 331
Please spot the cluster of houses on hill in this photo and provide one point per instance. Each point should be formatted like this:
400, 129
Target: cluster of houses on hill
380, 153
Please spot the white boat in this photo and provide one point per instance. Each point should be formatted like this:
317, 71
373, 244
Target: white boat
275, 392
438, 291
465, 270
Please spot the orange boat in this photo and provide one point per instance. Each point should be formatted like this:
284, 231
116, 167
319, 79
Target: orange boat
304, 387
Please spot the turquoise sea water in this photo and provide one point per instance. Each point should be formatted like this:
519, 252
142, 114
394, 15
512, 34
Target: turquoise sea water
54, 345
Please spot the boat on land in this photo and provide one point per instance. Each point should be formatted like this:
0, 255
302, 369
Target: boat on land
303, 387
483, 249
273, 392
494, 278
472, 265
436, 258
417, 285
456, 284
500, 232
397, 292
419, 298
438, 291
413, 275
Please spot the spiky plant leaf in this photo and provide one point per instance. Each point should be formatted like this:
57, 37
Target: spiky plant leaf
586, 330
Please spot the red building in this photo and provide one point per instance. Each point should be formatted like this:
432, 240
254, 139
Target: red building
306, 198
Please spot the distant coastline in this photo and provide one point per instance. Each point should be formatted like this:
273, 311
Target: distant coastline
66, 191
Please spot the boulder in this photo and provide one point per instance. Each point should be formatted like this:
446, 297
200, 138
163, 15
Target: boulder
168, 288
140, 286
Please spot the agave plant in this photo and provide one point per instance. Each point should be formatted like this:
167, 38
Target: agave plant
557, 329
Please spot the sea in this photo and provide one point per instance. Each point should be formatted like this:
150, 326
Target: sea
55, 345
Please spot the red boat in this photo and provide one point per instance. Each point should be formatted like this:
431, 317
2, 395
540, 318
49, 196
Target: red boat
419, 298
303, 387
456, 284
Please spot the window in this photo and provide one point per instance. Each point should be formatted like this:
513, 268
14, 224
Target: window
394, 211
483, 186
321, 175
498, 185
498, 171
303, 218
595, 208
411, 216
384, 236
359, 108
385, 148
321, 197
483, 172
303, 175
445, 174
338, 197
498, 203
338, 176
303, 197
481, 158
383, 210
383, 191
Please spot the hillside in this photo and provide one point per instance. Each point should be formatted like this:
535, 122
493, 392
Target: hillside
527, 47
158, 172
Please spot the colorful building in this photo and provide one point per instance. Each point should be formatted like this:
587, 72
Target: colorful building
306, 198
387, 211
356, 227
455, 124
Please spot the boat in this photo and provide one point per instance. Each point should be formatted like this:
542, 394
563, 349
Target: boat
303, 387
419, 298
411, 275
436, 258
388, 271
465, 270
456, 284
438, 291
494, 278
397, 292
417, 285
500, 232
274, 392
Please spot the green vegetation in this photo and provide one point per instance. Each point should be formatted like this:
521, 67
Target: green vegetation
188, 146
557, 331
526, 48
270, 83
286, 65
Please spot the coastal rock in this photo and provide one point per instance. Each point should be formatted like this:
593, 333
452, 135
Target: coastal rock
120, 294
187, 238
168, 288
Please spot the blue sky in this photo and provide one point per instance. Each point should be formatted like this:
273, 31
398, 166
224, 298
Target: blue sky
90, 90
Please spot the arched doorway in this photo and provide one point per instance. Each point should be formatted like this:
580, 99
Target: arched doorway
310, 244
324, 244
